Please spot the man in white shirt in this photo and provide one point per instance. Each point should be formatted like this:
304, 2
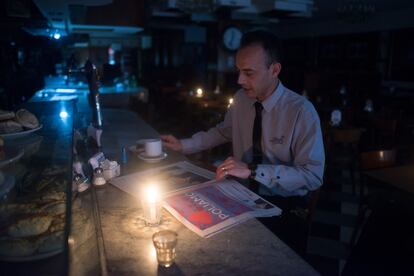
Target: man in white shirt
289, 160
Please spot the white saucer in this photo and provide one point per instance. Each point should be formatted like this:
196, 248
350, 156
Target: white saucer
151, 159
134, 149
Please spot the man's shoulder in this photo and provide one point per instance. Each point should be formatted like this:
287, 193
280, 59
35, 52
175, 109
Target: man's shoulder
240, 99
293, 100
240, 95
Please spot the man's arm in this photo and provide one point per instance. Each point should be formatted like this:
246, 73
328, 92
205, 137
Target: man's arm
220, 134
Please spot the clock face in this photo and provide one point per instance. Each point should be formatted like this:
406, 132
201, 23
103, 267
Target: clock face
231, 38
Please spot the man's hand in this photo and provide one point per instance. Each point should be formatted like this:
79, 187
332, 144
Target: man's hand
232, 167
171, 142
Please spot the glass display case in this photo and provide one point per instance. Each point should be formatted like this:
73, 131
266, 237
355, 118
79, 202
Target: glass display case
42, 218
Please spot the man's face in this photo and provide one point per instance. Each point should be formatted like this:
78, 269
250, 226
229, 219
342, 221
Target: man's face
256, 77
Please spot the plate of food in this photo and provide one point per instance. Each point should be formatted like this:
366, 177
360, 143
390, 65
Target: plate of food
32, 230
18, 124
20, 133
31, 249
9, 155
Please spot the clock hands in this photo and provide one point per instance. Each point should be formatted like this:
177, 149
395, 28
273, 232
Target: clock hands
231, 38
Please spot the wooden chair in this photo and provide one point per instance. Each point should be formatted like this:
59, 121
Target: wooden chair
306, 216
384, 133
410, 153
377, 159
370, 160
374, 160
343, 152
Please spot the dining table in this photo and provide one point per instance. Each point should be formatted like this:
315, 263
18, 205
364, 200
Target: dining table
385, 242
400, 177
110, 238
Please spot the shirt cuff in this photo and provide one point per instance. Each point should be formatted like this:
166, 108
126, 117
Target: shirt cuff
267, 175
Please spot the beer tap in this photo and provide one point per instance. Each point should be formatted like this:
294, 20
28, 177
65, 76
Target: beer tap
93, 83
89, 70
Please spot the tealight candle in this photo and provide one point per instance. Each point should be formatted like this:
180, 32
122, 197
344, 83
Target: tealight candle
199, 93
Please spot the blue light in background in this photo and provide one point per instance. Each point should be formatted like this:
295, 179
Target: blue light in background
56, 36
65, 90
63, 115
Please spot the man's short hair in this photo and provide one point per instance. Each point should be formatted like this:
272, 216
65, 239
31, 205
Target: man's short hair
269, 41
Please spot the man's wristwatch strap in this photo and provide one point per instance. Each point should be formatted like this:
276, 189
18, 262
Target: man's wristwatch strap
252, 167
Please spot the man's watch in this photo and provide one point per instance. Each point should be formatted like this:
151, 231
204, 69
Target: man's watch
252, 167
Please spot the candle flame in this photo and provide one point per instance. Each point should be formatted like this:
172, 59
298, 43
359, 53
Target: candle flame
199, 92
152, 193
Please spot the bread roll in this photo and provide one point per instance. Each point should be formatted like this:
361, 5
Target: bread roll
51, 242
26, 119
10, 126
6, 115
29, 226
13, 247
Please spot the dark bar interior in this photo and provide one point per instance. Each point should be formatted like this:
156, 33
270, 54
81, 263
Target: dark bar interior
265, 137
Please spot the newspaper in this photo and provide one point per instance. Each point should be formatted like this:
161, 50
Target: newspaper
215, 206
205, 206
172, 177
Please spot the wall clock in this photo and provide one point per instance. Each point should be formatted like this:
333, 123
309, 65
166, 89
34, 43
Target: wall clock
231, 38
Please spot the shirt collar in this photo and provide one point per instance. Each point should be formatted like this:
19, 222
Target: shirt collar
271, 101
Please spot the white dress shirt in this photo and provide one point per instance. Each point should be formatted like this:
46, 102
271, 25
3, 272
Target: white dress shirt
293, 152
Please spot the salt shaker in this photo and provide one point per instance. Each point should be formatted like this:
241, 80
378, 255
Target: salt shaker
98, 178
81, 182
77, 166
124, 156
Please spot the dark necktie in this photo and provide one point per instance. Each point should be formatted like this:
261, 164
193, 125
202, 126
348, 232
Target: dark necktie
257, 134
257, 143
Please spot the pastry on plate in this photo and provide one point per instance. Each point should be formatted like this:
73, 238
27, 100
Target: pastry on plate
26, 119
31, 226
6, 115
10, 126
16, 247
51, 242
2, 153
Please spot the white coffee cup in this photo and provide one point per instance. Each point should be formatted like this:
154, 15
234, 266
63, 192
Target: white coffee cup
153, 147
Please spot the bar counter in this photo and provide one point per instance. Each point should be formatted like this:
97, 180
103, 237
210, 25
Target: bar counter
104, 234
246, 249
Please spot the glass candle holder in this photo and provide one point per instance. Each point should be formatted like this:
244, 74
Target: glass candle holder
151, 212
165, 242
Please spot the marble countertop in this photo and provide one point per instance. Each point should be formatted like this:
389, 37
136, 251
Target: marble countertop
246, 249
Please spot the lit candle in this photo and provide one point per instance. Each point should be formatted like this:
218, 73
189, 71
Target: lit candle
199, 93
152, 200
230, 102
151, 206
